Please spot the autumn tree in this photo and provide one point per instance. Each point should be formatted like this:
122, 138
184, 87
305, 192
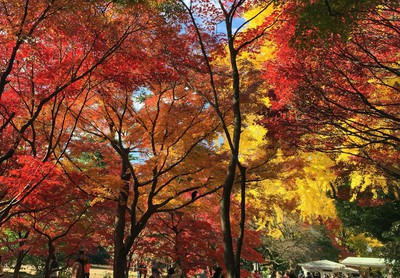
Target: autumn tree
61, 222
151, 135
299, 242
52, 52
293, 210
191, 240
56, 219
192, 237
14, 239
49, 52
233, 90
343, 91
336, 85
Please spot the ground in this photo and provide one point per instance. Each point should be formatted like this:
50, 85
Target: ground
95, 272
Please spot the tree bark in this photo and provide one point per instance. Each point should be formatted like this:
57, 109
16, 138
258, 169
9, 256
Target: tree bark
47, 263
120, 250
231, 256
18, 264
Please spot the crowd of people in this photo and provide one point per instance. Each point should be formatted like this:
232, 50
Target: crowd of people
173, 271
81, 269
292, 274
285, 274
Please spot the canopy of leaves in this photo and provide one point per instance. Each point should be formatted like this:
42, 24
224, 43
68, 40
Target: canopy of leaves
115, 110
345, 96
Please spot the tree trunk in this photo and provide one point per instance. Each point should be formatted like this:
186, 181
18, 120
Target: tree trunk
120, 251
21, 254
229, 253
18, 263
240, 239
50, 255
225, 202
232, 259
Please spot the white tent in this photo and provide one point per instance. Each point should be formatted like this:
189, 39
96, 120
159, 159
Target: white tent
326, 267
364, 262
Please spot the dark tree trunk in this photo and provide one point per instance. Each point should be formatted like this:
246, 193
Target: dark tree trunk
21, 254
47, 263
18, 263
120, 252
231, 256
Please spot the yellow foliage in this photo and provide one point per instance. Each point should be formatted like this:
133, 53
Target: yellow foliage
367, 179
267, 49
306, 189
252, 140
295, 183
361, 243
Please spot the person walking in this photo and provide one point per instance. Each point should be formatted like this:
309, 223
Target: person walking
175, 272
77, 268
155, 270
141, 269
218, 273
86, 267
